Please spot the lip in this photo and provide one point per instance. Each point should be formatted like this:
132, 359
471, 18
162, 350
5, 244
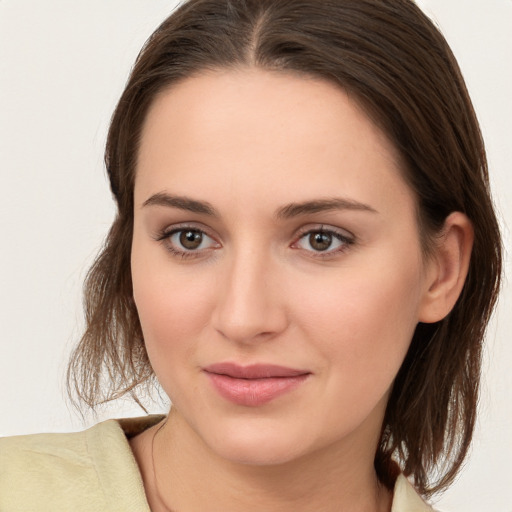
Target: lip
253, 385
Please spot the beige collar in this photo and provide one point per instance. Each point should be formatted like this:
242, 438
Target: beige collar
406, 499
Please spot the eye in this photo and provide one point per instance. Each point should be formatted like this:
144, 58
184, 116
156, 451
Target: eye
188, 239
323, 240
187, 242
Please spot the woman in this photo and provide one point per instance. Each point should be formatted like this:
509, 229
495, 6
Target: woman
304, 234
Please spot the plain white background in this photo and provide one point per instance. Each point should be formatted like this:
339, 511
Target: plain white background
62, 67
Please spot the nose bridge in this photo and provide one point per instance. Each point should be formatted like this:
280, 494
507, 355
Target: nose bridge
248, 305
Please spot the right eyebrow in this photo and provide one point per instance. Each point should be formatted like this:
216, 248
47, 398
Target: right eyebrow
180, 202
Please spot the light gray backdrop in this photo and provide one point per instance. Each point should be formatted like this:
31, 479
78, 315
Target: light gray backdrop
63, 65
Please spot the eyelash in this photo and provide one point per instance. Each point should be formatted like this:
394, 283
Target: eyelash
165, 238
345, 240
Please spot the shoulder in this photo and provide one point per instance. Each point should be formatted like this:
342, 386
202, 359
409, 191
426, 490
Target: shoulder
406, 499
42, 467
89, 470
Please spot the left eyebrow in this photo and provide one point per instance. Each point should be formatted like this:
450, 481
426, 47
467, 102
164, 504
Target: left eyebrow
321, 205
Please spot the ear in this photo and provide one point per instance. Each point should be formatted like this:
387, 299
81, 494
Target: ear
447, 268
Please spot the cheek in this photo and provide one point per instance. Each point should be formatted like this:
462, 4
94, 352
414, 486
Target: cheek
363, 319
172, 319
167, 310
174, 307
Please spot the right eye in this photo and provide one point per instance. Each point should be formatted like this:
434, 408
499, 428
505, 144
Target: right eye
187, 242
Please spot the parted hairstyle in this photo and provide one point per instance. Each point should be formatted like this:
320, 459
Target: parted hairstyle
397, 66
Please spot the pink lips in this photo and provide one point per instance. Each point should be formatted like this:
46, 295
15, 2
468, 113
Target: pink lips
253, 385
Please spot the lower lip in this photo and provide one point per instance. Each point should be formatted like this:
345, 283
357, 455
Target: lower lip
254, 392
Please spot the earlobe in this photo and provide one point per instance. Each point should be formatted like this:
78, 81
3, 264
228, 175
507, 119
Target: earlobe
447, 268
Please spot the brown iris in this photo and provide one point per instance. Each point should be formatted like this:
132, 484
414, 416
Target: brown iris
191, 239
320, 241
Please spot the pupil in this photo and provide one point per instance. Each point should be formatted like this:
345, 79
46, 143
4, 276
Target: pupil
191, 239
320, 241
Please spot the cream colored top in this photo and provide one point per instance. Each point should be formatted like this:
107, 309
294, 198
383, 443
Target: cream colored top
94, 470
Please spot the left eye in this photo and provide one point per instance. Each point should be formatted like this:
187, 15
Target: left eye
322, 241
190, 240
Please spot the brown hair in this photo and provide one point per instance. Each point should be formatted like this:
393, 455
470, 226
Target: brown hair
389, 56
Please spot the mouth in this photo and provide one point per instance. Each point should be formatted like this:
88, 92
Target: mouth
254, 385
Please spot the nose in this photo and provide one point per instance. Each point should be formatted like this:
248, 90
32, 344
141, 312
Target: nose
250, 305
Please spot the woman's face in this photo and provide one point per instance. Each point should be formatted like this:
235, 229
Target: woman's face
277, 267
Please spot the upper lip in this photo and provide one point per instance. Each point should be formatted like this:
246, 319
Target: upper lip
253, 371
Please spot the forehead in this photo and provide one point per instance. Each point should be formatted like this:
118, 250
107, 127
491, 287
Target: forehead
254, 131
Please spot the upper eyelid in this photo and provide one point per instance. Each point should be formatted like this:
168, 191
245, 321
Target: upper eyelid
326, 229
182, 226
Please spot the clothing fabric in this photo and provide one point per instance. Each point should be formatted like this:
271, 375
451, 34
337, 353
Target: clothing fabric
95, 471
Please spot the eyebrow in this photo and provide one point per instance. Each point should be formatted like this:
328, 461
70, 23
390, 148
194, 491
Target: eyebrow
321, 205
285, 212
182, 203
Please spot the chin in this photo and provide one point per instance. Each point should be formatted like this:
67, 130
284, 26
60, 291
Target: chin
257, 443
253, 452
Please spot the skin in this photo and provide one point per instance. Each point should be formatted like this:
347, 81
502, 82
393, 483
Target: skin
250, 143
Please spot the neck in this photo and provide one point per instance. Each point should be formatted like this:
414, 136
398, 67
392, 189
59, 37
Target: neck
333, 479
